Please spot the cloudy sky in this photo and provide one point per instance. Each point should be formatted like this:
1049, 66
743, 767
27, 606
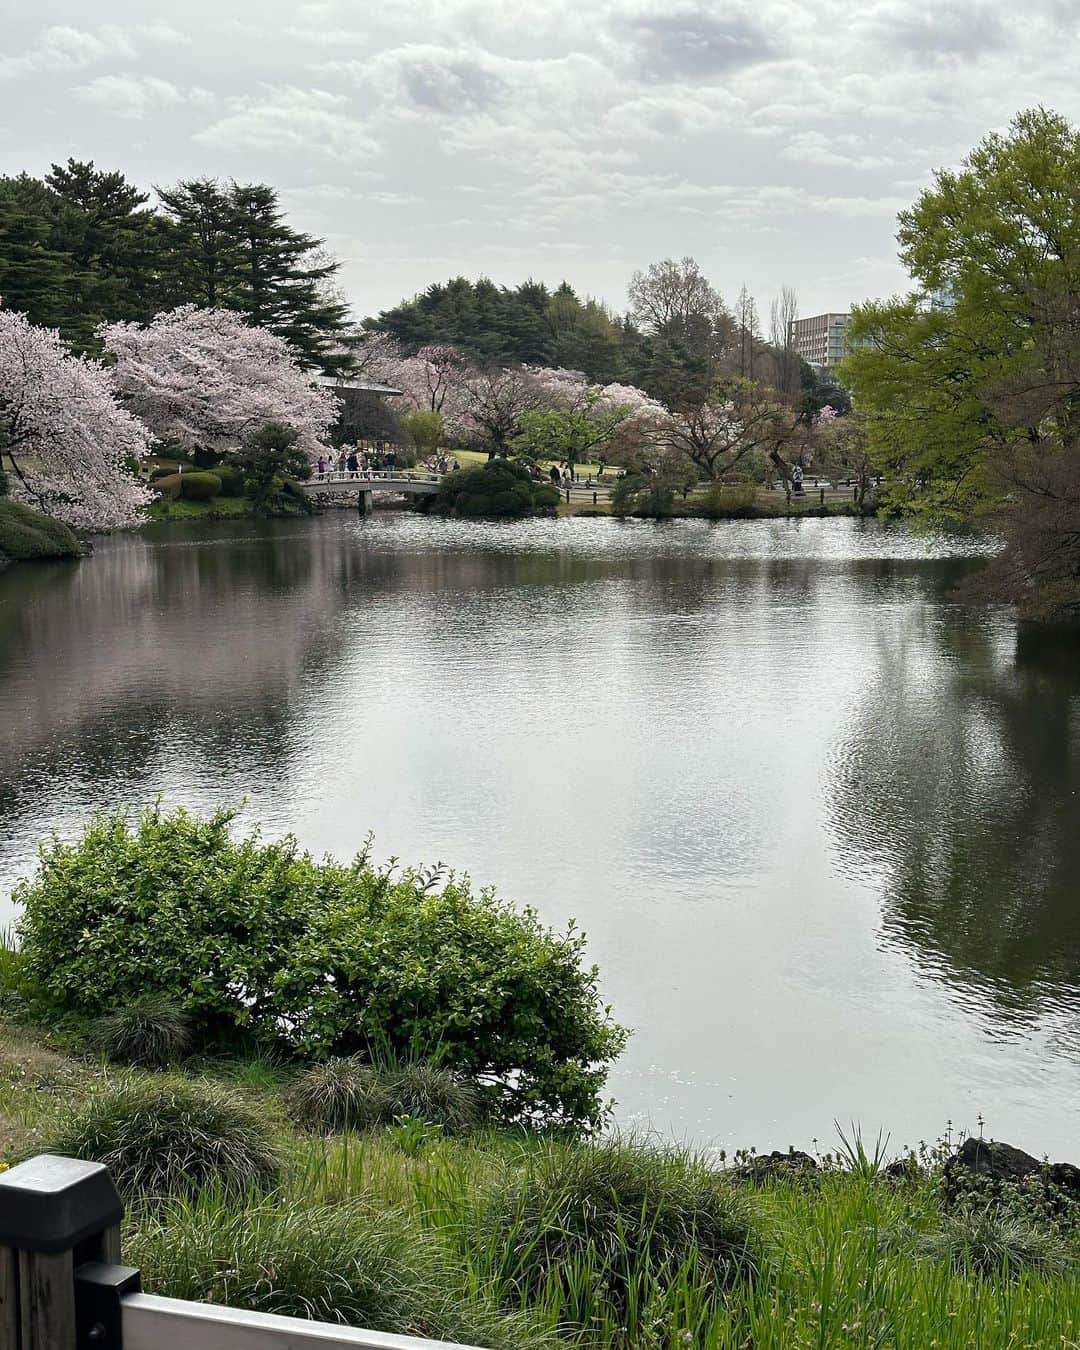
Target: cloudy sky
773, 139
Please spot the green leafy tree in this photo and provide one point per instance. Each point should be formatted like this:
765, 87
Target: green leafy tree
426, 429
270, 460
570, 435
971, 385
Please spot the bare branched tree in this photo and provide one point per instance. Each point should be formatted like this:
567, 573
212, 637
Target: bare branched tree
782, 315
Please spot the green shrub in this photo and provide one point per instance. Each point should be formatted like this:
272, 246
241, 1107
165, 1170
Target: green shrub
334, 1263
257, 940
648, 496
346, 1093
168, 485
612, 1219
232, 480
167, 1136
168, 904
731, 499
152, 1032
391, 965
200, 487
499, 488
26, 534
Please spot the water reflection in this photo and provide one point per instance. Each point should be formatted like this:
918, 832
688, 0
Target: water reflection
956, 788
737, 754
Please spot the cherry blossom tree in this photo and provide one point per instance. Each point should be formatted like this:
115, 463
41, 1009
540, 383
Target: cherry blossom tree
576, 421
204, 377
66, 437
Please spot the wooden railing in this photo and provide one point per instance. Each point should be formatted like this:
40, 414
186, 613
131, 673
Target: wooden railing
63, 1287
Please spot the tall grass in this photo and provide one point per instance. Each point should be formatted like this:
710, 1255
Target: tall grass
507, 1240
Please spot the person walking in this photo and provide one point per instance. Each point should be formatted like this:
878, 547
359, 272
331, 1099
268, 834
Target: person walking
353, 464
322, 466
554, 474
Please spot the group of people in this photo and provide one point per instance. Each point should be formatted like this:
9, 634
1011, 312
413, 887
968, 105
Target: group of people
354, 461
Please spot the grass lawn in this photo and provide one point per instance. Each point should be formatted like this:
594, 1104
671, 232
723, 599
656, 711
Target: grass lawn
164, 509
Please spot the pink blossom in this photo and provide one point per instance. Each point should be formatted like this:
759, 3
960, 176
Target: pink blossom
206, 377
67, 436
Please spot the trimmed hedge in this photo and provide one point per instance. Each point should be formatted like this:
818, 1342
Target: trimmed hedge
200, 487
232, 480
26, 534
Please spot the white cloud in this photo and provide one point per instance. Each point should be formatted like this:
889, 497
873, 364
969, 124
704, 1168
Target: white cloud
287, 118
134, 96
62, 48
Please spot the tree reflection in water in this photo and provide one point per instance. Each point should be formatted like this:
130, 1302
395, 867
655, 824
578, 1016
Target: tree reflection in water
956, 790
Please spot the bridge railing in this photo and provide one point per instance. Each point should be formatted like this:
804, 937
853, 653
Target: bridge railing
63, 1287
373, 476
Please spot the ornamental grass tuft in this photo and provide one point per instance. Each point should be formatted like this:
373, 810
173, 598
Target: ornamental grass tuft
347, 1093
613, 1220
340, 1262
170, 1135
151, 1032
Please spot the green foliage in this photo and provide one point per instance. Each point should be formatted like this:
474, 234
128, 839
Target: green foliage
343, 1092
392, 964
995, 1240
254, 939
425, 428
497, 325
166, 1136
613, 1219
569, 435
150, 1032
26, 534
200, 487
725, 500
340, 1262
268, 461
5, 486
346, 1092
651, 496
232, 480
168, 905
500, 489
80, 247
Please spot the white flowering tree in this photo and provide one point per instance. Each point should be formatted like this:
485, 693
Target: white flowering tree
575, 421
206, 378
67, 440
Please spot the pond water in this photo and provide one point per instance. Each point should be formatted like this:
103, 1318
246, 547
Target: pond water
818, 817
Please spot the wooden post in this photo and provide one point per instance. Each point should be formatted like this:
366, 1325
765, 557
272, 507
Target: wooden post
594, 499
823, 496
568, 496
55, 1213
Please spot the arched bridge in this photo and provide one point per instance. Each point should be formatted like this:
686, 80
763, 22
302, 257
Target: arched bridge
363, 484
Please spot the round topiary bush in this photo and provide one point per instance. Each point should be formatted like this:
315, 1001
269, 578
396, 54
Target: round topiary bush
232, 480
161, 471
167, 1136
345, 1093
168, 485
200, 487
150, 1032
625, 1213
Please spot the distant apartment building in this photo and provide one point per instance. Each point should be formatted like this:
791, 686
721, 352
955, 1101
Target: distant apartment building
820, 339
